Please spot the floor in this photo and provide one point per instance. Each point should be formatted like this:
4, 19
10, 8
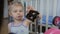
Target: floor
4, 28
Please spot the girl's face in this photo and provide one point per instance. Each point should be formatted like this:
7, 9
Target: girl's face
17, 12
57, 20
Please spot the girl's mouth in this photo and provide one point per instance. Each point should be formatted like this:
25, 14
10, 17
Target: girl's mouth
19, 16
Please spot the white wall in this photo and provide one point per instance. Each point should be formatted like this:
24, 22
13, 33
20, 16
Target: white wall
5, 8
58, 7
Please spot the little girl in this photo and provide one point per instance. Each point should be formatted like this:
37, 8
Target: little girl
20, 25
56, 26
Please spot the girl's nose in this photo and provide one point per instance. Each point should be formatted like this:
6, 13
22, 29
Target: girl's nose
18, 12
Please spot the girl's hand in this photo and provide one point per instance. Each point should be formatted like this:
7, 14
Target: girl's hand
29, 8
27, 22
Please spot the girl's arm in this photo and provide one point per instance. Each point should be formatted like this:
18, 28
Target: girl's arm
9, 27
27, 22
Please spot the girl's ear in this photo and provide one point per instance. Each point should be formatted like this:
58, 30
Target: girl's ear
10, 14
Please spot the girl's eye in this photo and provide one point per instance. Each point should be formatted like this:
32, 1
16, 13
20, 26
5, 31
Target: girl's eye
20, 11
14, 11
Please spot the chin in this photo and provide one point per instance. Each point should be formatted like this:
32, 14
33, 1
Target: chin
19, 18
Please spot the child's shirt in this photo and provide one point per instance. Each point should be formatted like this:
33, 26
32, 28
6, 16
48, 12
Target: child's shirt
19, 29
52, 31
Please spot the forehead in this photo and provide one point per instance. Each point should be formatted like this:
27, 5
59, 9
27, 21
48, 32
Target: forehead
57, 19
18, 8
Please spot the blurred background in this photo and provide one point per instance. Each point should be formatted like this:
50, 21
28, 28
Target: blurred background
47, 8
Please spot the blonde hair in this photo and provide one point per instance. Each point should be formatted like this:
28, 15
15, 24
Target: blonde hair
13, 4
